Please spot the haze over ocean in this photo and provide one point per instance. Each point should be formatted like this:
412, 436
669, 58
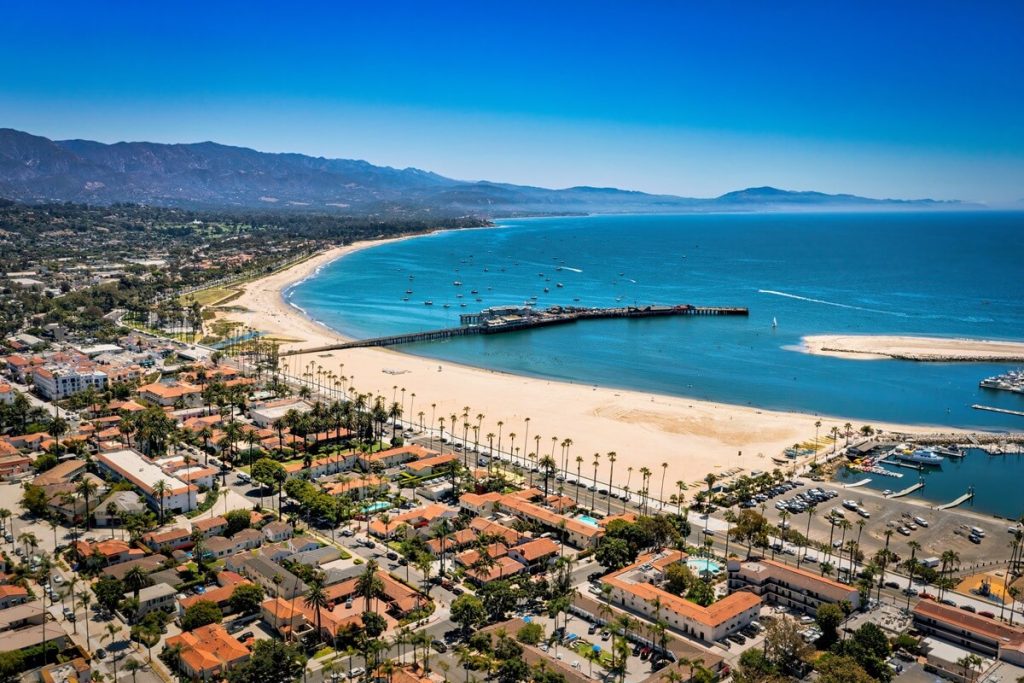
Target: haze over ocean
932, 274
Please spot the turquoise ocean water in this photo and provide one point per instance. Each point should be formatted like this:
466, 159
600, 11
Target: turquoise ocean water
937, 274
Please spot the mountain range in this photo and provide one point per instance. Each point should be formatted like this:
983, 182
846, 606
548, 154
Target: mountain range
210, 175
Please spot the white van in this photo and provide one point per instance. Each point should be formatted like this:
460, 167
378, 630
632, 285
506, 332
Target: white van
978, 532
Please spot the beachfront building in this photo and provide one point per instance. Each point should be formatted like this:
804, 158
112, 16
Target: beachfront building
637, 588
795, 588
427, 467
394, 457
982, 635
57, 382
130, 465
264, 414
573, 531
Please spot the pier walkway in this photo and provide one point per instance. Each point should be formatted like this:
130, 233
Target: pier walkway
993, 409
857, 484
907, 491
959, 501
526, 320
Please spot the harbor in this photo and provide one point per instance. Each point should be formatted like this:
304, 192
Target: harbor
502, 319
987, 468
1012, 381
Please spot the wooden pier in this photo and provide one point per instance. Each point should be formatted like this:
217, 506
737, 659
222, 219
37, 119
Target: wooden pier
477, 323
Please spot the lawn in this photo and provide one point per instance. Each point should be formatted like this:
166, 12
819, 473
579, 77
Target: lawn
209, 297
582, 647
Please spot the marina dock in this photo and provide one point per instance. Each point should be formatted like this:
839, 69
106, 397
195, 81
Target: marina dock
899, 463
515, 318
993, 409
907, 491
959, 501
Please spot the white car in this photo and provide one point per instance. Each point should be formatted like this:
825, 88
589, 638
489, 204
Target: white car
356, 672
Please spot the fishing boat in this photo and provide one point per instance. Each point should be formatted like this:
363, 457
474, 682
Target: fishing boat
921, 456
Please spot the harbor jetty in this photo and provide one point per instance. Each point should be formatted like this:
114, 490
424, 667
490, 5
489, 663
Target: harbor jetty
959, 501
515, 318
907, 491
993, 409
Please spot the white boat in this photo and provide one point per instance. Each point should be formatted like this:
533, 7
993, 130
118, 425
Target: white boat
921, 456
775, 322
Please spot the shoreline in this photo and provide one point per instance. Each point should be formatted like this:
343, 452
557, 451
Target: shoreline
694, 437
913, 348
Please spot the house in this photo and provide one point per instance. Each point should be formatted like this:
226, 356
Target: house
148, 564
795, 588
632, 588
175, 538
221, 596
284, 617
430, 466
76, 671
11, 595
275, 579
394, 457
575, 532
264, 414
421, 520
982, 635
278, 531
208, 651
116, 507
21, 615
6, 393
210, 526
14, 465
468, 558
481, 504
506, 535
358, 488
453, 542
535, 555
158, 596
35, 636
172, 394
503, 568
106, 552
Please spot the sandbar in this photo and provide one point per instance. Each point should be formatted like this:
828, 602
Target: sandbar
925, 349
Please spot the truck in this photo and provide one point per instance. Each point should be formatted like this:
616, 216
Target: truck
931, 562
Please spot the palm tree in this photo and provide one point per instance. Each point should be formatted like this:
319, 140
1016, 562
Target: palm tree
593, 494
884, 562
710, 480
85, 488
132, 666
612, 457
111, 633
579, 465
160, 491
911, 565
28, 540
661, 491
135, 579
369, 584
817, 426
827, 568
950, 559
316, 599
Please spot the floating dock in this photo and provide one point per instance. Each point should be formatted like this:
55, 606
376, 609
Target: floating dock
900, 463
993, 409
907, 491
959, 501
514, 319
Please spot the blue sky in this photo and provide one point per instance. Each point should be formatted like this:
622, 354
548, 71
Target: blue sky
695, 98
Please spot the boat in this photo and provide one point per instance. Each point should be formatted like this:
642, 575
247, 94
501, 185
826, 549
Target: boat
559, 285
479, 299
921, 456
462, 305
457, 283
949, 451
447, 306
546, 290
428, 303
775, 323
473, 291
408, 291
405, 298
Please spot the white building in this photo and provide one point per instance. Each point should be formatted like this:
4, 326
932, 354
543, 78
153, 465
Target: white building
58, 382
132, 466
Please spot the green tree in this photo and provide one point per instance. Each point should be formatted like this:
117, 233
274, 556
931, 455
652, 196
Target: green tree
828, 618
840, 669
109, 593
11, 666
246, 598
613, 553
237, 521
34, 500
468, 611
199, 614
531, 633
678, 578
270, 660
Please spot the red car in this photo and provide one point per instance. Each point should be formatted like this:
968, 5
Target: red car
927, 596
990, 615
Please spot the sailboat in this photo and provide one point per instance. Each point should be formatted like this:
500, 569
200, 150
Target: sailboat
775, 322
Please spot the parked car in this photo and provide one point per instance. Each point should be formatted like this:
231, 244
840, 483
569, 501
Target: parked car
356, 672
438, 645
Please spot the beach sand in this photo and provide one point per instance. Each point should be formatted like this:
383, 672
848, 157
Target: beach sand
645, 430
874, 347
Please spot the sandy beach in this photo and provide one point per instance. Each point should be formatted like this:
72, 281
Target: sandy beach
645, 430
934, 349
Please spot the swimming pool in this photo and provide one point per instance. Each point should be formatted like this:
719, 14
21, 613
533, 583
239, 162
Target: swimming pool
700, 565
587, 519
379, 506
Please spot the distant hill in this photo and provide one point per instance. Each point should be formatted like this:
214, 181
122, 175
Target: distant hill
207, 174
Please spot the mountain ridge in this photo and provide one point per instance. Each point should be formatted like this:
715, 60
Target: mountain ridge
210, 174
